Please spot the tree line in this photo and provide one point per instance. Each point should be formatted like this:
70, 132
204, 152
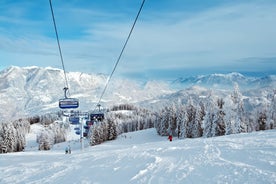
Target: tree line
12, 135
215, 116
118, 121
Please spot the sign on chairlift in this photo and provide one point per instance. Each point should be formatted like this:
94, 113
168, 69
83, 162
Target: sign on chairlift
68, 103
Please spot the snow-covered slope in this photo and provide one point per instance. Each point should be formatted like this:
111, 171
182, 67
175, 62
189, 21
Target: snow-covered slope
145, 157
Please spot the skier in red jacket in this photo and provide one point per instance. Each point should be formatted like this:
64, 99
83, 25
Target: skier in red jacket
170, 137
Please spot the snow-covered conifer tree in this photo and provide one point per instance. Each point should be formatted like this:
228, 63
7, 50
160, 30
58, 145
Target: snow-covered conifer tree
219, 124
238, 111
111, 128
20, 136
94, 135
228, 117
262, 120
209, 116
190, 113
6, 139
9, 136
98, 133
59, 130
45, 139
172, 120
164, 123
12, 135
200, 113
271, 122
181, 120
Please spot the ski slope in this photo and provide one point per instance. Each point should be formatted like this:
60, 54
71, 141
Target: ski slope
145, 157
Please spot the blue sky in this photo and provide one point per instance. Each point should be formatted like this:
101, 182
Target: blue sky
172, 38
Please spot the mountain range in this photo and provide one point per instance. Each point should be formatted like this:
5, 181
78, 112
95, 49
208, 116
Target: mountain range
226, 81
27, 91
33, 90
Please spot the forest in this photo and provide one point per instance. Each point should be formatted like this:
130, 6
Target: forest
216, 116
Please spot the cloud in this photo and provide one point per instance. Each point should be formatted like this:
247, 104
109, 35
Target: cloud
91, 40
214, 37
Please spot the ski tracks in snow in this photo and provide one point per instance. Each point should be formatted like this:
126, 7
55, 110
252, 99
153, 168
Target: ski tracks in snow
220, 159
143, 157
160, 169
220, 154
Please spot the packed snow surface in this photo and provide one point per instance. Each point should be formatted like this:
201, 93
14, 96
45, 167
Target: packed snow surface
145, 157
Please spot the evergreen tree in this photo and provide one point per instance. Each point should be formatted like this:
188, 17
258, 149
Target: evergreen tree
219, 128
209, 116
262, 120
182, 122
9, 137
228, 118
45, 139
164, 122
190, 113
200, 113
12, 135
112, 132
272, 112
172, 120
59, 131
238, 111
94, 135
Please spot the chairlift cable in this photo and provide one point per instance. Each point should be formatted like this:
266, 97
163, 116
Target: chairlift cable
121, 53
59, 48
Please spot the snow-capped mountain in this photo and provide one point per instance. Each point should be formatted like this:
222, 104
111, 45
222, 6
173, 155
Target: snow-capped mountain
256, 92
227, 81
34, 90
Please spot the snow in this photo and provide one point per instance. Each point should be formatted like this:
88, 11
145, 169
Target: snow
145, 157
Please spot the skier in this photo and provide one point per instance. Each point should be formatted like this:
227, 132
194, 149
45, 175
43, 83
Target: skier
68, 150
170, 137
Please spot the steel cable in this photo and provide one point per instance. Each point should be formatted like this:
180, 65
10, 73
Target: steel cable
121, 53
59, 48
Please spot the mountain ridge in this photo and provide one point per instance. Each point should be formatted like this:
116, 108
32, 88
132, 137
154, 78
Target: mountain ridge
227, 80
34, 90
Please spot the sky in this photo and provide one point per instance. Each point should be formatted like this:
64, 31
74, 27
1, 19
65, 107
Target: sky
171, 39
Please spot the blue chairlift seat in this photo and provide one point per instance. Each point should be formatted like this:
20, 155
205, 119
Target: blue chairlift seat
86, 127
68, 103
76, 128
78, 132
74, 120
